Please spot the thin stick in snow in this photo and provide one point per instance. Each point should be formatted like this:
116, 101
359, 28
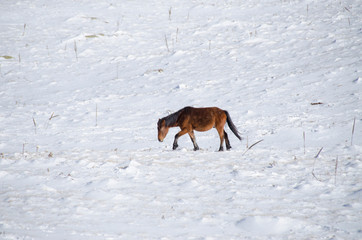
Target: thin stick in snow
315, 158
304, 141
335, 171
34, 125
354, 122
24, 29
176, 34
96, 115
307, 10
320, 150
316, 177
166, 43
53, 116
252, 146
76, 50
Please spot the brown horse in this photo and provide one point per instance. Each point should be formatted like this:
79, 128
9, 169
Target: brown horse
199, 119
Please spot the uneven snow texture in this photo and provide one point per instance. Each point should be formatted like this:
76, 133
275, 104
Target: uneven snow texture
83, 83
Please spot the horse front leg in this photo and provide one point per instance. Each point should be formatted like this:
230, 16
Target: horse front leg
193, 139
221, 143
179, 134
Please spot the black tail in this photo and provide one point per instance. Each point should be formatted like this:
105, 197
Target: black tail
232, 126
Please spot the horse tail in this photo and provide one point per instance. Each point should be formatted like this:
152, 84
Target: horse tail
232, 126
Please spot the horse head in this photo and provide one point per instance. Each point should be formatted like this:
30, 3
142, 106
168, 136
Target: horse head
162, 129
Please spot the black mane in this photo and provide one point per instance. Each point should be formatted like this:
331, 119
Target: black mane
171, 119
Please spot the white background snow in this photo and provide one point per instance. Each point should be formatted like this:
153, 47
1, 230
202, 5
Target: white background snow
83, 83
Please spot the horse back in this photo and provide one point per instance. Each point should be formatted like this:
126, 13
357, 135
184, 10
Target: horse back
202, 119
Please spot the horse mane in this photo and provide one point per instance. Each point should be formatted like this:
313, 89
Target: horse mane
171, 119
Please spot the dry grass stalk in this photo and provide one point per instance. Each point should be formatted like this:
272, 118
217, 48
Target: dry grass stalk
252, 146
34, 124
24, 29
167, 43
76, 50
315, 158
53, 116
320, 150
304, 141
176, 34
335, 171
354, 123
96, 115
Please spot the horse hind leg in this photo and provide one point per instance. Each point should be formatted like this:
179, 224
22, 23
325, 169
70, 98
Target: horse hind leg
221, 135
227, 142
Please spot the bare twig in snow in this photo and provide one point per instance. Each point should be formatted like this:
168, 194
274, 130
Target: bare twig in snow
166, 43
76, 50
354, 123
53, 116
335, 171
24, 29
34, 125
252, 146
316, 103
320, 150
315, 158
176, 34
96, 115
307, 10
316, 177
304, 141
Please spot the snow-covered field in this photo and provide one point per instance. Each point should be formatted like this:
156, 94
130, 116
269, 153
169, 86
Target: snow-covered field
83, 83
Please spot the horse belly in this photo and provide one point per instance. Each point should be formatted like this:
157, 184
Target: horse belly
204, 127
203, 119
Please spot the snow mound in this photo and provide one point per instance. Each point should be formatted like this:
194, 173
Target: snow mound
266, 225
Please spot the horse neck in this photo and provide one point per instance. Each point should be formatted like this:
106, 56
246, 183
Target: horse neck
171, 120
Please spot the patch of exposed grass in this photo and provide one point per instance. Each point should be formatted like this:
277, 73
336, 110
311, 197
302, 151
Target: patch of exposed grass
7, 57
95, 35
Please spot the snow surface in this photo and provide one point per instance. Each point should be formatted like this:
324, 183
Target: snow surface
83, 83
